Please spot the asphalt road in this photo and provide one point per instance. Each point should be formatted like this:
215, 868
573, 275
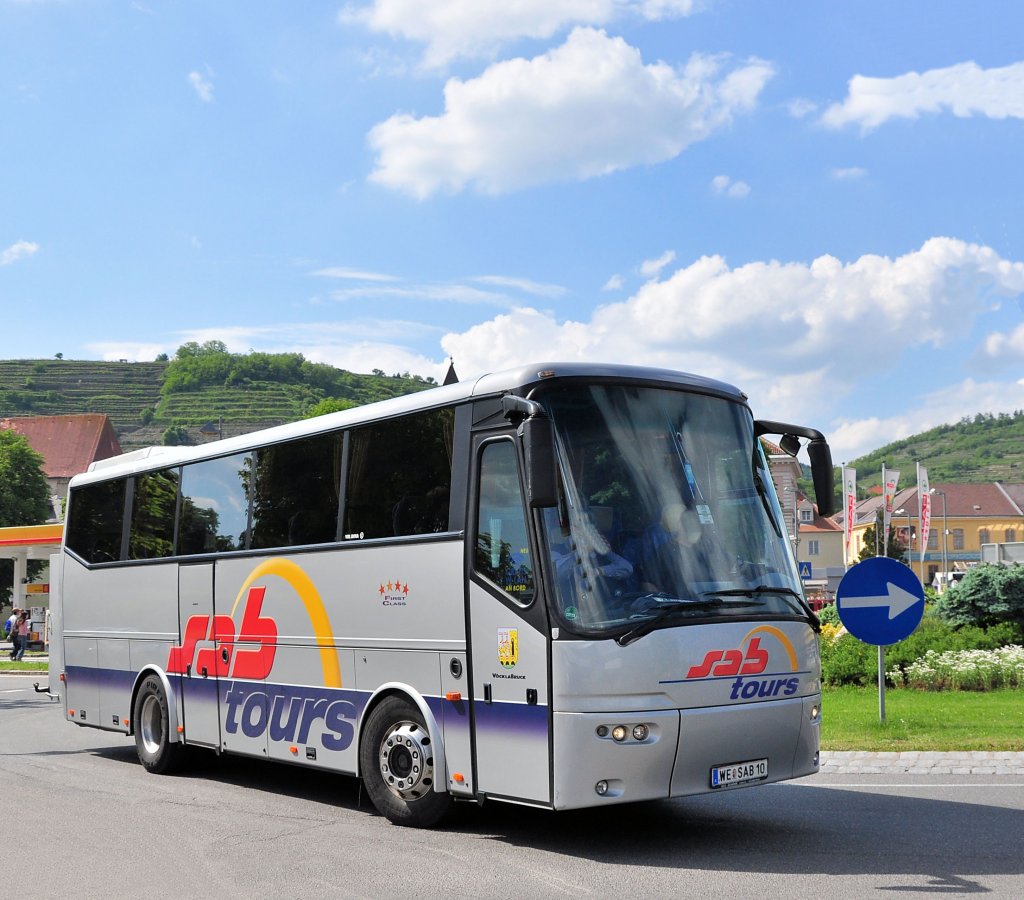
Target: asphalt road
92, 823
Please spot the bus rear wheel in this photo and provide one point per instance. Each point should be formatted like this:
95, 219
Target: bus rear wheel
151, 719
396, 758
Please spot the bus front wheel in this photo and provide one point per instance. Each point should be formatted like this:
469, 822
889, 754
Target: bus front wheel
396, 758
157, 752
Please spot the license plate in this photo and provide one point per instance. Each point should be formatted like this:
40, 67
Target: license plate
739, 773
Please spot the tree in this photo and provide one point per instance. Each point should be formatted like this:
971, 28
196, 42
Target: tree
24, 495
896, 548
194, 349
176, 435
328, 405
987, 596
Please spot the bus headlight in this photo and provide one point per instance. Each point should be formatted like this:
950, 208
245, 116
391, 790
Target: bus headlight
815, 713
619, 733
601, 788
641, 732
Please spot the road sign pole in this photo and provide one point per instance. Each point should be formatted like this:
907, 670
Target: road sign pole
881, 684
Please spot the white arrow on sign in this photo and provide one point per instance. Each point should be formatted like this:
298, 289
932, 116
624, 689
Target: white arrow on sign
897, 599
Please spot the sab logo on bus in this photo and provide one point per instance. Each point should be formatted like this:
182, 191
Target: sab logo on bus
749, 659
289, 712
252, 664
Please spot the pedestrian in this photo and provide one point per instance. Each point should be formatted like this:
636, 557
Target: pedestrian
9, 631
22, 634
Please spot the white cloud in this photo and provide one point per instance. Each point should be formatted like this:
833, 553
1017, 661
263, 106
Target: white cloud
358, 345
781, 331
342, 272
471, 28
202, 85
1002, 350
851, 439
129, 350
525, 285
615, 283
17, 250
442, 293
587, 108
850, 173
801, 108
723, 184
964, 89
650, 268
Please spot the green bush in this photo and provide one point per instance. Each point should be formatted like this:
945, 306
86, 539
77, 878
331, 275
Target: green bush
845, 660
829, 615
988, 595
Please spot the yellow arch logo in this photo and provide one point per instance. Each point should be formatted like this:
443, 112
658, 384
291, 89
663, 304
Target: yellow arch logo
301, 583
780, 636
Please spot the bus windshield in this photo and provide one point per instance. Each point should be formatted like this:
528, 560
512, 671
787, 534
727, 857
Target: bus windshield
669, 514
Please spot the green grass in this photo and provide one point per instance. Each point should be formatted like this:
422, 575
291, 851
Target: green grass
26, 665
922, 720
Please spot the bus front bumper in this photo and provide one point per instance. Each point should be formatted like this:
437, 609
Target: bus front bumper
625, 757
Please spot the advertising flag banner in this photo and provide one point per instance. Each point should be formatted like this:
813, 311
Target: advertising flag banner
890, 479
925, 500
850, 507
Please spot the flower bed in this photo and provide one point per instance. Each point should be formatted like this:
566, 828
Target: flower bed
963, 670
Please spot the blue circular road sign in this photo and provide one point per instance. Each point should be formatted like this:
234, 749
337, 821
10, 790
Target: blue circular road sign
880, 601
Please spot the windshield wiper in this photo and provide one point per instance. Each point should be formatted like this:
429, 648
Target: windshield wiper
754, 591
767, 589
668, 609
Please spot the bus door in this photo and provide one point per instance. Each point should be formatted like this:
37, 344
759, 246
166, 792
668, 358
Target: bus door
199, 679
508, 643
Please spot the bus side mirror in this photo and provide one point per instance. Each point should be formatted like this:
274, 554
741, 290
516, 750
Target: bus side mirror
538, 436
823, 476
818, 452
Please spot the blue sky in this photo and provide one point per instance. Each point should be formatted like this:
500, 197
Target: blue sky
818, 202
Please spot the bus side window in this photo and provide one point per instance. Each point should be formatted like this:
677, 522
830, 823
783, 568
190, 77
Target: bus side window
295, 498
502, 537
151, 527
400, 475
215, 505
96, 517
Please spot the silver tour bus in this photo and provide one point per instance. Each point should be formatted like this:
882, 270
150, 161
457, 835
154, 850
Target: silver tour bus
563, 586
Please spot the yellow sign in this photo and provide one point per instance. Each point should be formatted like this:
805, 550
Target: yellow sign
37, 588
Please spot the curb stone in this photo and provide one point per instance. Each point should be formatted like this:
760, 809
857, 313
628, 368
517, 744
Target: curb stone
922, 762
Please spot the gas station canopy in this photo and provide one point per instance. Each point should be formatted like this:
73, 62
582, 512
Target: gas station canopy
24, 542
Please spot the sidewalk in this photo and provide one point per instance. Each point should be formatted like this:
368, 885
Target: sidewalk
922, 762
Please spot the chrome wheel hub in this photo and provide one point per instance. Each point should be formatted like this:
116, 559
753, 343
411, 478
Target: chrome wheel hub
406, 761
151, 725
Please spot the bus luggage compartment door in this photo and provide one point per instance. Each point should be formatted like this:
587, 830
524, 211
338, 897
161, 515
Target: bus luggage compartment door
201, 715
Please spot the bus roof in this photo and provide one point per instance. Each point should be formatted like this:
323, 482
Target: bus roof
518, 380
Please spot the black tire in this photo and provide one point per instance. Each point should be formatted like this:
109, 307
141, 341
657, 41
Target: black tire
396, 759
151, 722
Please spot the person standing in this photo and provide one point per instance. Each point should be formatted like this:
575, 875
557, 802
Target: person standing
21, 627
10, 631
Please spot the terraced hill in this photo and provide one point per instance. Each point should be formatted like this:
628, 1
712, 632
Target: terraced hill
133, 396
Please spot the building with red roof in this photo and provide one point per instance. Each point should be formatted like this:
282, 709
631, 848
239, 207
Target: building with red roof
67, 444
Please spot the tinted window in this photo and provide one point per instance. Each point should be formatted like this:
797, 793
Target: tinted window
215, 505
151, 535
400, 475
296, 494
502, 542
95, 521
